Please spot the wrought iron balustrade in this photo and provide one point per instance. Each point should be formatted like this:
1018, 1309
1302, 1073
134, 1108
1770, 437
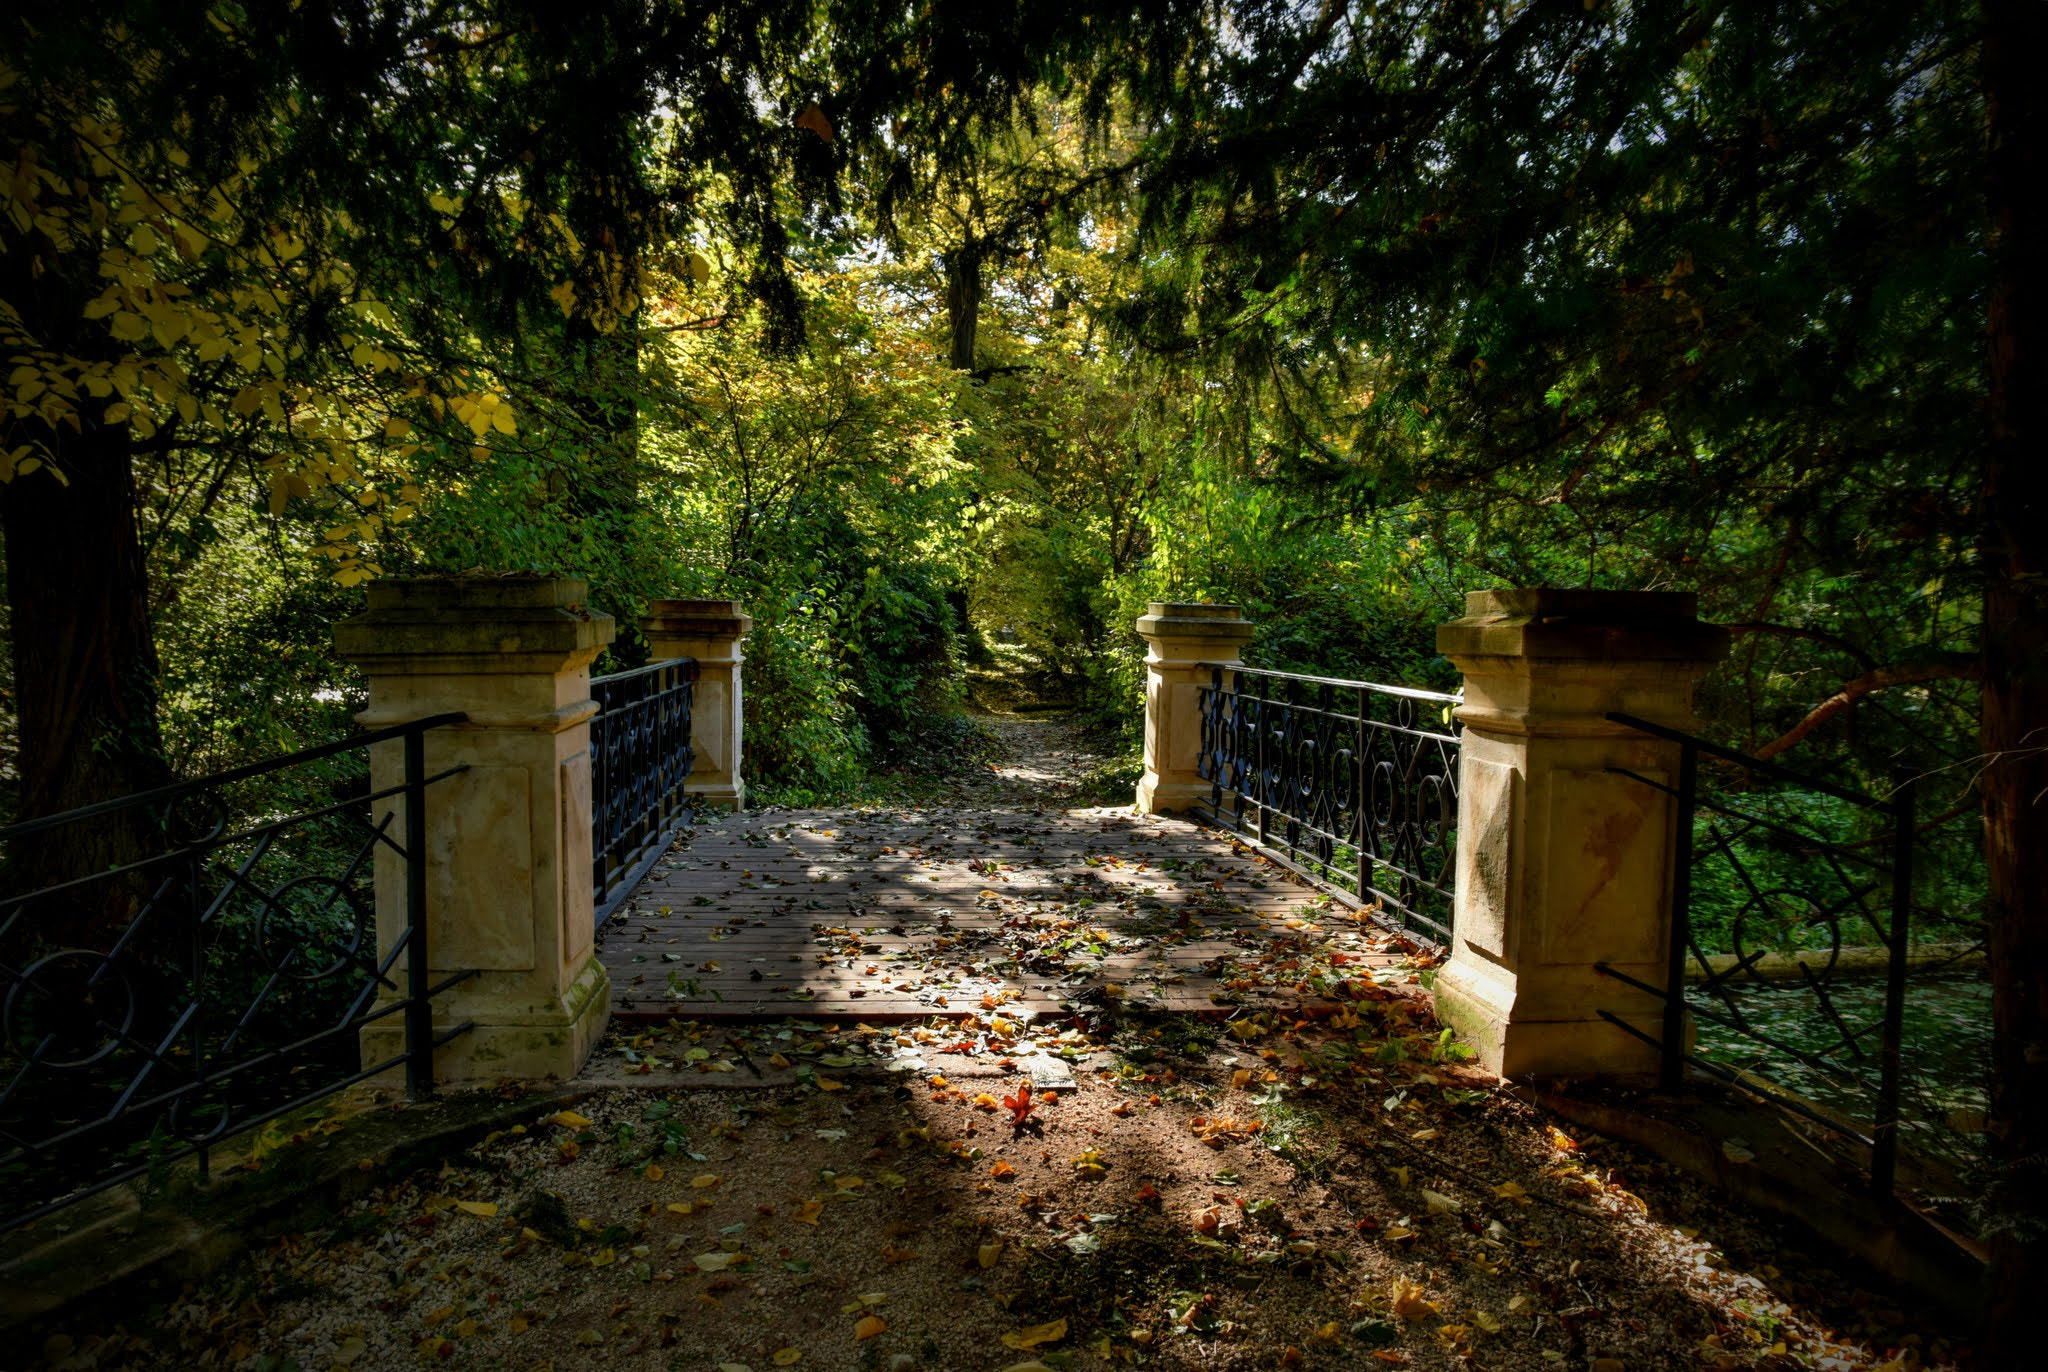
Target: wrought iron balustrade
214, 976
1775, 874
1350, 783
640, 762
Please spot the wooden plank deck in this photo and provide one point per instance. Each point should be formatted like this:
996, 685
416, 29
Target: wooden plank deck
893, 914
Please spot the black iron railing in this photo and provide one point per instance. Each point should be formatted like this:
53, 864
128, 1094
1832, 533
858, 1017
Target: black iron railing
640, 761
212, 971
1770, 878
1352, 784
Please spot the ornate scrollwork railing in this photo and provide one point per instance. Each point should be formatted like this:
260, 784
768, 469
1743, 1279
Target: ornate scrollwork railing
215, 971
1353, 784
641, 759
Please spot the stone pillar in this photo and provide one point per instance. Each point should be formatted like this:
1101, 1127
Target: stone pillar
1178, 637
710, 631
509, 839
1562, 862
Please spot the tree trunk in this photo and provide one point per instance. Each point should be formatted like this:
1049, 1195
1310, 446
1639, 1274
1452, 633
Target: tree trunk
2015, 738
85, 664
963, 304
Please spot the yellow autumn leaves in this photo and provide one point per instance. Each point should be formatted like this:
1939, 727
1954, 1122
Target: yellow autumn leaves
208, 321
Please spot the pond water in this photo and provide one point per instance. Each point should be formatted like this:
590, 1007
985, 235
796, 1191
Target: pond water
1947, 1052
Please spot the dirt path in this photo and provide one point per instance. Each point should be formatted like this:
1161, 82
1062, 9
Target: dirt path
1184, 1193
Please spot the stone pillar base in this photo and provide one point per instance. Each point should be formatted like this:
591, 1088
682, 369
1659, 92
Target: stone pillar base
712, 632
508, 835
1178, 638
1563, 861
506, 1041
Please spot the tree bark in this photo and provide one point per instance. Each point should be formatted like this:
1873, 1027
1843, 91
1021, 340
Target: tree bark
963, 304
85, 663
2015, 722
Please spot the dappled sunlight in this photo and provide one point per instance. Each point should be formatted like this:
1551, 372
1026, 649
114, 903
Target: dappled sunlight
1175, 1191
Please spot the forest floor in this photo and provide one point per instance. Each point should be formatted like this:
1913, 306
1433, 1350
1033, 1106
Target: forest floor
1110, 1188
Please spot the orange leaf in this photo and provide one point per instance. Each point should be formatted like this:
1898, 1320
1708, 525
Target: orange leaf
1020, 1105
870, 1325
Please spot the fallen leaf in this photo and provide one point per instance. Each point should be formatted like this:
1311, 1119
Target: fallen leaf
990, 1254
1032, 1335
1019, 1105
1408, 1302
808, 1212
485, 1208
784, 1357
1001, 1169
867, 1326
351, 1348
569, 1119
707, 1179
680, 1207
718, 1262
653, 1172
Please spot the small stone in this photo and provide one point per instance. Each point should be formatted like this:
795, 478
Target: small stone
902, 1362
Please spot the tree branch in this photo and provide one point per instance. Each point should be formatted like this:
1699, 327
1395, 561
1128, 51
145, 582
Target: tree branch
1956, 667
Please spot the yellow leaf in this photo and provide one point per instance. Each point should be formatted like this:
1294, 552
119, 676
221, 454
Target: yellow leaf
990, 1254
718, 1262
349, 1349
1241, 1078
827, 1084
653, 1172
1033, 1335
434, 1317
680, 1207
569, 1119
1510, 1190
519, 1325
484, 1208
778, 1062
870, 1325
1408, 1303
603, 1257
784, 1357
808, 1212
849, 1183
707, 1179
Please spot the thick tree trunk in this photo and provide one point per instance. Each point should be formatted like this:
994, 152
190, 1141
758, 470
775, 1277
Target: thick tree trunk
85, 665
963, 304
2016, 684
